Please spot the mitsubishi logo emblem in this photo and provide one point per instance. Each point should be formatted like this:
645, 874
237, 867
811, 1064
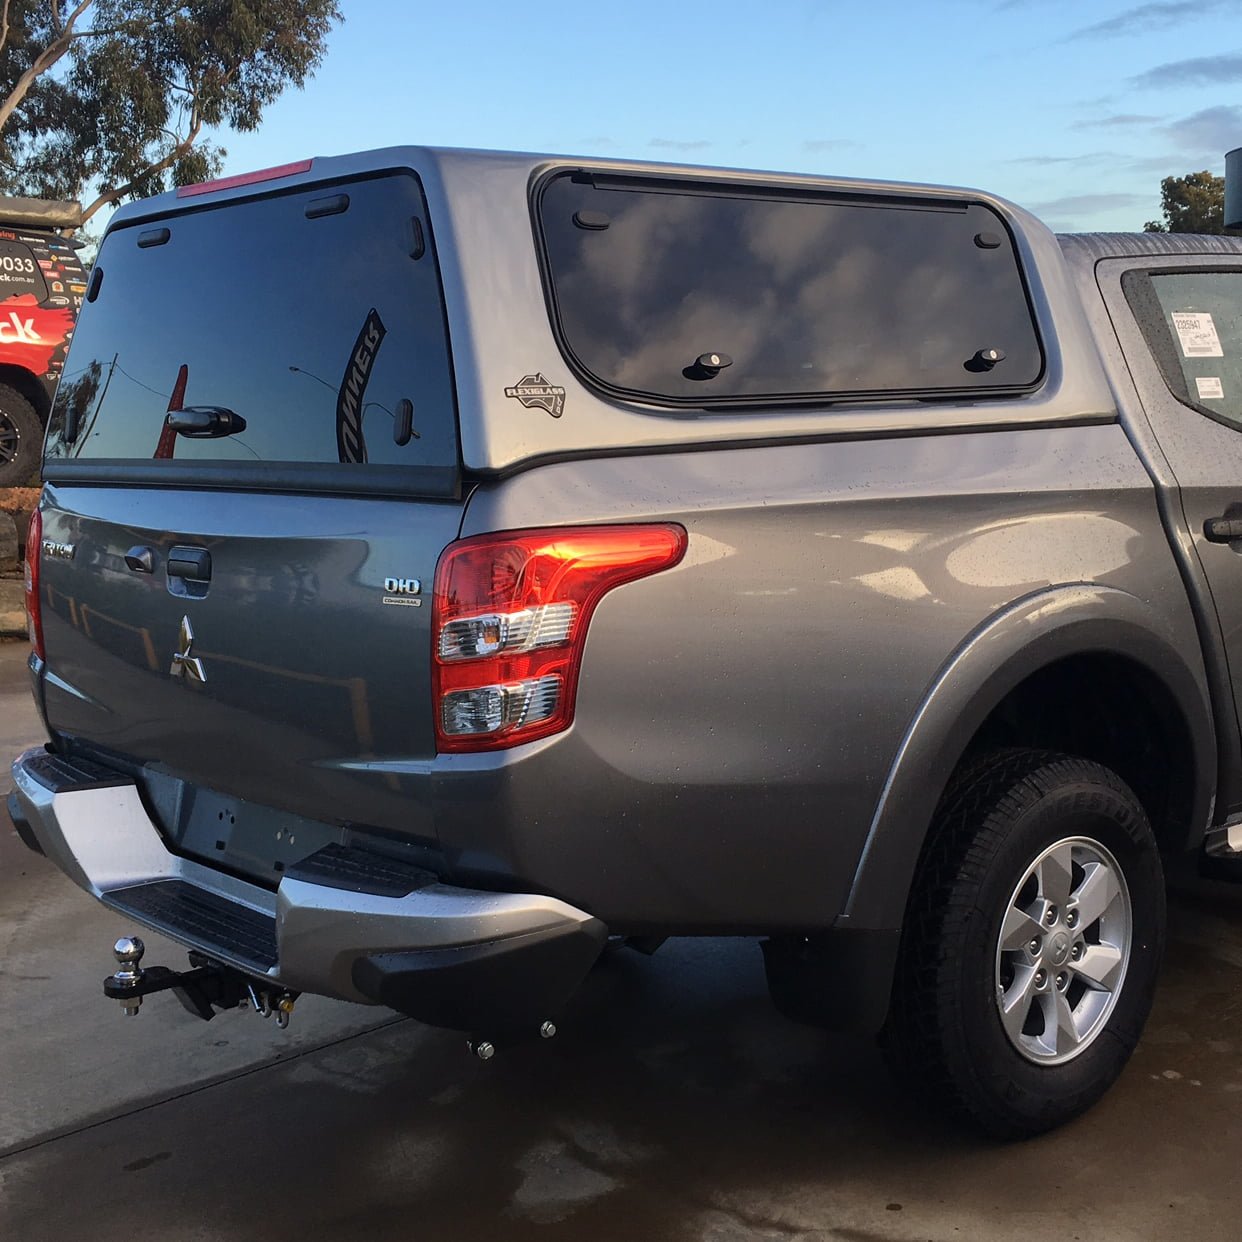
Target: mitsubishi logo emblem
183, 661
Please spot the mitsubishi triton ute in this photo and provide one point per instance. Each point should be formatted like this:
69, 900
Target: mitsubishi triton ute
449, 561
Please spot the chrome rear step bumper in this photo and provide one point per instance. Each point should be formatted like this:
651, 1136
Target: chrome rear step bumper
344, 923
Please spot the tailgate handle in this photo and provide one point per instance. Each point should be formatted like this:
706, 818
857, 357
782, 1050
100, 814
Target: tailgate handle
193, 564
205, 422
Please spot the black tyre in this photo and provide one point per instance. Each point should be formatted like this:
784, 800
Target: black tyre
1031, 944
21, 438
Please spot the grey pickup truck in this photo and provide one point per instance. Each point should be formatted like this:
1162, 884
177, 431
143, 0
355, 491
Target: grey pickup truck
449, 562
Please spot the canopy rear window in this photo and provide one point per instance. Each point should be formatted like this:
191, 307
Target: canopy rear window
801, 296
315, 317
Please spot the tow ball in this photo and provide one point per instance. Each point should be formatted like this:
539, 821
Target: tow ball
204, 989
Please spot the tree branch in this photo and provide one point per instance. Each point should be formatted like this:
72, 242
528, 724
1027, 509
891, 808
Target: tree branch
135, 27
118, 192
45, 59
4, 25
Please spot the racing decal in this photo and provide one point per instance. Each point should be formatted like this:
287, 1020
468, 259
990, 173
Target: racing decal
351, 445
34, 336
535, 393
37, 312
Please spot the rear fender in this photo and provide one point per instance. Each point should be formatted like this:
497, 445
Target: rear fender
1028, 636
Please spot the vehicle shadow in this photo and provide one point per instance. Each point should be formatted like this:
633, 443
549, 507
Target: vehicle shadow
675, 1103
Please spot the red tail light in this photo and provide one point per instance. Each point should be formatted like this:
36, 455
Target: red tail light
509, 624
34, 610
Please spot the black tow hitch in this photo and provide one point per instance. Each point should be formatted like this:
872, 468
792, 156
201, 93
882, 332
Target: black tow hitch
204, 989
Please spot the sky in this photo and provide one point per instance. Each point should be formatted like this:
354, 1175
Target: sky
1075, 110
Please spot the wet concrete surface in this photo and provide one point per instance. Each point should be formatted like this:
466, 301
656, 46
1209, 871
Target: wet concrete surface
674, 1104
59, 1037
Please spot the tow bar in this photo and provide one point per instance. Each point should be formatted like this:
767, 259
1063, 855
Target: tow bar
202, 990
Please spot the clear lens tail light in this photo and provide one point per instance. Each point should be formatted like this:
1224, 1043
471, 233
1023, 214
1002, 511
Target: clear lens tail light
34, 609
509, 624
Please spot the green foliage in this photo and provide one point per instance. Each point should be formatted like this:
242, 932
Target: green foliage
1194, 203
134, 87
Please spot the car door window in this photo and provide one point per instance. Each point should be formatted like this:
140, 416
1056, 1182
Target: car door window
1192, 322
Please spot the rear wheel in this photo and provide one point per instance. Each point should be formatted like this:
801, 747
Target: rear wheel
1031, 946
21, 438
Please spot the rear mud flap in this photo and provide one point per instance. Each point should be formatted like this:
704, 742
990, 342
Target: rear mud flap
510, 985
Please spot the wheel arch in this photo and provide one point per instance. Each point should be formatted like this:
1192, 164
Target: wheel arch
29, 386
1067, 632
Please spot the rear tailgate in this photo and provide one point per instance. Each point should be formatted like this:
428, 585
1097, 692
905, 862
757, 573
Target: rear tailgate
245, 611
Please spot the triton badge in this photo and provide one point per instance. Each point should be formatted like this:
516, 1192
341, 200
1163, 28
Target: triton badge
58, 551
535, 393
183, 661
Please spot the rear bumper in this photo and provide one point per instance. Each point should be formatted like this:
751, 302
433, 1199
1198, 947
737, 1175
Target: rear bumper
344, 923
25, 832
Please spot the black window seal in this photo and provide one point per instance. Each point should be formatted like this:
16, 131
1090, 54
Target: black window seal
712, 188
721, 187
440, 481
1149, 314
335, 478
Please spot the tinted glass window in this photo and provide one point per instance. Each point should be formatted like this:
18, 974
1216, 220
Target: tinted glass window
806, 296
313, 329
1201, 339
19, 273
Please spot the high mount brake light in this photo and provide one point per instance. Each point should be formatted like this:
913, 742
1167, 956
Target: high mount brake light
34, 607
509, 624
250, 178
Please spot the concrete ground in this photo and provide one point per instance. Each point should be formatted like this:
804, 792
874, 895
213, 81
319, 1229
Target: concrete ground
675, 1104
12, 609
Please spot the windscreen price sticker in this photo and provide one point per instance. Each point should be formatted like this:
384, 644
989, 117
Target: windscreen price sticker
1210, 388
1197, 333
